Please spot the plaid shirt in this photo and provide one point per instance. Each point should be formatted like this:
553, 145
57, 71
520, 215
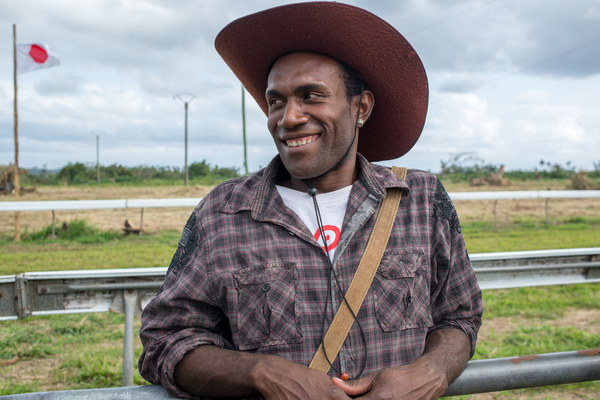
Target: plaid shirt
248, 275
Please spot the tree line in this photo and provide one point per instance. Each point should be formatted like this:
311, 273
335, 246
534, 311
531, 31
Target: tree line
80, 174
467, 166
458, 167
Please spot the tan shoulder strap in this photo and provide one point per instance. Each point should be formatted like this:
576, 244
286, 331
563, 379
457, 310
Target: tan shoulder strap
343, 319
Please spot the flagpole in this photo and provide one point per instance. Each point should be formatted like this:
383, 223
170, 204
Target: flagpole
17, 184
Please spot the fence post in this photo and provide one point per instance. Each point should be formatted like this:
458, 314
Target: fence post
53, 226
495, 218
129, 297
141, 222
547, 200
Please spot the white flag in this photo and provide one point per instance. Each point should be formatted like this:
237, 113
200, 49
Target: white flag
34, 56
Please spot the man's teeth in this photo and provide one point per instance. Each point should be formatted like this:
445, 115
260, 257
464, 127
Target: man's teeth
299, 142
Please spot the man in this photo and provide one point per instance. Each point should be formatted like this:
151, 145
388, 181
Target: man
255, 282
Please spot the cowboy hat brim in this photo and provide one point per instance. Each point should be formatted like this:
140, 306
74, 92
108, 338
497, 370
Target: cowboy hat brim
367, 43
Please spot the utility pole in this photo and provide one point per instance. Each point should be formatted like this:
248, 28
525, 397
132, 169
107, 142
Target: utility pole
16, 183
244, 128
97, 155
186, 98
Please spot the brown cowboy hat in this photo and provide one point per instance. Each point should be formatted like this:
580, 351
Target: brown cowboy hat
374, 48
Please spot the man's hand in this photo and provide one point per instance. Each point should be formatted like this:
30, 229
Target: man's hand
285, 380
445, 357
419, 380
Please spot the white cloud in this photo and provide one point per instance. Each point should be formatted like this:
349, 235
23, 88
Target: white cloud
512, 81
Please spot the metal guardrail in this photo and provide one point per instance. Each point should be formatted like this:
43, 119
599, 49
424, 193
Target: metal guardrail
57, 205
525, 194
67, 292
128, 291
480, 376
536, 268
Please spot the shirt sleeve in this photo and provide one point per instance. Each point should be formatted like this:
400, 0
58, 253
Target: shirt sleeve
183, 315
456, 300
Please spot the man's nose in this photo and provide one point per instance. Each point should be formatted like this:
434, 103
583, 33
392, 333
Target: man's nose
293, 115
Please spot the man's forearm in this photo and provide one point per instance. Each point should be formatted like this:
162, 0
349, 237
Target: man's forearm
449, 349
213, 371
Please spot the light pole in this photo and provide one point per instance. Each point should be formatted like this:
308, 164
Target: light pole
186, 98
97, 133
244, 128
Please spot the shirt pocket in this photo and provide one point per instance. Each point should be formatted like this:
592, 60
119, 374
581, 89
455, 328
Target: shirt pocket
267, 305
401, 291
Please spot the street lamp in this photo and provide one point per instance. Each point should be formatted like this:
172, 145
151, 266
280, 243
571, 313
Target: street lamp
97, 133
186, 98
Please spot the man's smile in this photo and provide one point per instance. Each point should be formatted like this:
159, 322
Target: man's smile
301, 141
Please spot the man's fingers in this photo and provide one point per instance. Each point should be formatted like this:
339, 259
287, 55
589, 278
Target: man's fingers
355, 387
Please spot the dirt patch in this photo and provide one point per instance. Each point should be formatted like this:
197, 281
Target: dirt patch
496, 327
583, 319
154, 219
38, 370
508, 211
588, 320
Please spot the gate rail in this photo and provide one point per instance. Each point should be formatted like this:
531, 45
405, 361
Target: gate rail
480, 376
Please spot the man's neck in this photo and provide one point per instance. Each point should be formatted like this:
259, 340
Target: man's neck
340, 178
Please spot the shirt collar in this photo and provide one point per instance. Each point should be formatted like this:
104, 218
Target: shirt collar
256, 192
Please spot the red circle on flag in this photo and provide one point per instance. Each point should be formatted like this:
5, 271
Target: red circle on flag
329, 231
38, 54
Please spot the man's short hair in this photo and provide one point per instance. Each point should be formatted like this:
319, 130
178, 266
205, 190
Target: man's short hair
353, 80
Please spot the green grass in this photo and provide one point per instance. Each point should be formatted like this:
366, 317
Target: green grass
78, 231
82, 351
121, 252
527, 234
92, 249
89, 348
546, 302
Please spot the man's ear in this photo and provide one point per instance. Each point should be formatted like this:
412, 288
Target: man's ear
366, 105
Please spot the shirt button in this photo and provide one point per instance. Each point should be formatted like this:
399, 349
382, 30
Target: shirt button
266, 287
291, 233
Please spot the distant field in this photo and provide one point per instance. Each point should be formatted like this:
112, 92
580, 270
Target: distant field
157, 219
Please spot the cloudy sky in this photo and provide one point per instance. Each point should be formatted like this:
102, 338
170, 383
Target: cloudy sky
511, 81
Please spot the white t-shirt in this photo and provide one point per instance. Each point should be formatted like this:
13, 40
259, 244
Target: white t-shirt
332, 206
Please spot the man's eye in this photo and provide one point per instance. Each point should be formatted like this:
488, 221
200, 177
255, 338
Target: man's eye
274, 101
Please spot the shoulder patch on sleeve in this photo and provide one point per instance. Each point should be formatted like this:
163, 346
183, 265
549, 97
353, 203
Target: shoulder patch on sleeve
443, 206
186, 247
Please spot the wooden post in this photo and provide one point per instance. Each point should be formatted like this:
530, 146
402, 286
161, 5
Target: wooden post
141, 222
17, 184
495, 216
244, 129
53, 225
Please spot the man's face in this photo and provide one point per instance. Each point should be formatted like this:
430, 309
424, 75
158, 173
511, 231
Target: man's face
310, 118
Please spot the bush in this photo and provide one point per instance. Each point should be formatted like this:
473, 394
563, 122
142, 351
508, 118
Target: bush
198, 169
76, 173
77, 230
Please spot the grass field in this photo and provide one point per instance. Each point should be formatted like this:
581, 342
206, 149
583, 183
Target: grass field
85, 350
